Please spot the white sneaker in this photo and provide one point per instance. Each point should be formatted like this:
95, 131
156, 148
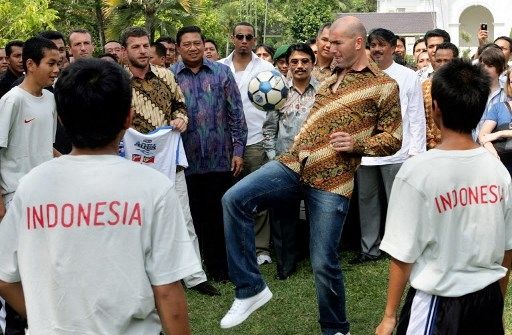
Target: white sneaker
262, 259
338, 333
242, 308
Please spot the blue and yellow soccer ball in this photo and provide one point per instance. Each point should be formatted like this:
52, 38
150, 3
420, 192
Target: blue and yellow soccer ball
268, 90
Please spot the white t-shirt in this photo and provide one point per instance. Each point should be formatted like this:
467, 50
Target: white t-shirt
253, 116
413, 117
450, 213
88, 236
27, 133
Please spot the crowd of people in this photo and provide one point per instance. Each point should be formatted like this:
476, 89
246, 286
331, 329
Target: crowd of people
92, 243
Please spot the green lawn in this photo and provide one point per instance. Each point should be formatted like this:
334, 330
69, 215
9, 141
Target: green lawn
293, 308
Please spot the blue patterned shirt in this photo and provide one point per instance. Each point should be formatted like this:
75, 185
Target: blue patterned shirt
216, 129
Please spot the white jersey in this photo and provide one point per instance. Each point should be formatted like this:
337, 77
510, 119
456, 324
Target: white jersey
161, 149
450, 213
27, 133
88, 236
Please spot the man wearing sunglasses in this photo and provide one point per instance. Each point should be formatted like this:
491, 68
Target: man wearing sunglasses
244, 64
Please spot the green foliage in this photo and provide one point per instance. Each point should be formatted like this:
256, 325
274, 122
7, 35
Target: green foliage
22, 19
305, 20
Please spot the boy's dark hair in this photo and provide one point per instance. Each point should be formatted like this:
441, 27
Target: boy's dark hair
493, 56
505, 38
34, 48
109, 55
9, 45
188, 29
93, 99
449, 46
437, 33
132, 32
461, 91
383, 35
52, 35
302, 47
271, 51
212, 42
159, 49
167, 39
245, 24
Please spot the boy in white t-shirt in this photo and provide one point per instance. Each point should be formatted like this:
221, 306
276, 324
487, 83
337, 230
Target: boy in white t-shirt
449, 223
93, 243
28, 122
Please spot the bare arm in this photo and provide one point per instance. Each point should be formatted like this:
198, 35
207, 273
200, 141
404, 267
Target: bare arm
399, 273
507, 262
13, 294
171, 305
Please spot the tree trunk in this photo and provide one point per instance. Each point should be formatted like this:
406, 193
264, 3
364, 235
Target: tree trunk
100, 22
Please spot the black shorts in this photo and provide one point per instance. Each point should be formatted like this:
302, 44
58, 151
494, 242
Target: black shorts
477, 313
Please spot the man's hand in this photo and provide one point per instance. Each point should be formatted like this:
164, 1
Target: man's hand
237, 165
386, 326
482, 37
342, 142
491, 137
179, 124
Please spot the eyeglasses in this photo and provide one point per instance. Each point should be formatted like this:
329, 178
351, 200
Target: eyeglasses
240, 37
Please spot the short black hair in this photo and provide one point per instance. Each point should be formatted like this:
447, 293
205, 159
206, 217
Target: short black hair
271, 51
34, 48
159, 49
312, 41
209, 40
302, 47
383, 35
188, 29
9, 45
93, 99
449, 46
52, 35
401, 38
437, 33
167, 39
322, 27
418, 41
461, 91
245, 24
109, 55
493, 56
132, 32
505, 38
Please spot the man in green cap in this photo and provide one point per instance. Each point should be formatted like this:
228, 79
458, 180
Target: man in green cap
280, 59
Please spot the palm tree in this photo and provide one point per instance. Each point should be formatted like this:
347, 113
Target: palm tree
163, 16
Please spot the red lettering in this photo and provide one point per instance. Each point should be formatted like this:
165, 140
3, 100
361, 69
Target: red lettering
463, 195
70, 215
114, 212
51, 208
455, 198
28, 218
446, 201
38, 218
493, 190
483, 194
438, 207
136, 215
125, 212
473, 195
85, 215
98, 213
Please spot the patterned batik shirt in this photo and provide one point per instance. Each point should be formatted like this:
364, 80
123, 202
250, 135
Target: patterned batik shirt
157, 99
367, 106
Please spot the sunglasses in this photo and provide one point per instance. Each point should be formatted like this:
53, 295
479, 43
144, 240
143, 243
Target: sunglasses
240, 37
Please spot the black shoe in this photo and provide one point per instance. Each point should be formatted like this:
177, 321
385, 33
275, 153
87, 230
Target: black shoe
363, 258
283, 275
206, 288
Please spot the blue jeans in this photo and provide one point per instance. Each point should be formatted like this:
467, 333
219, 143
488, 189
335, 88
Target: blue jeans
272, 185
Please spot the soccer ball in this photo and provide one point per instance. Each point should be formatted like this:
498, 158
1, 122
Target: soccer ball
268, 91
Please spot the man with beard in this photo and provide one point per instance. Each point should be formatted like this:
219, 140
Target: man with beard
245, 64
158, 101
377, 171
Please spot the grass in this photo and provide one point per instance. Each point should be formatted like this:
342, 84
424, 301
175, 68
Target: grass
293, 309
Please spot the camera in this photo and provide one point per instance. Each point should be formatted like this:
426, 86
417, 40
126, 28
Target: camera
483, 26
